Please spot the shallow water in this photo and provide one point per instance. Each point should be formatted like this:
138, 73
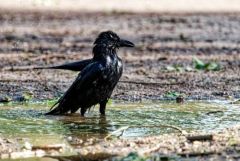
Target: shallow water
27, 120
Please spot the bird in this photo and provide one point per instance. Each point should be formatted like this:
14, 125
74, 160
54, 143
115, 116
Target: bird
97, 79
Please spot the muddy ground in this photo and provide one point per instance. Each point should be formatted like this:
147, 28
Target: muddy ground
224, 145
163, 57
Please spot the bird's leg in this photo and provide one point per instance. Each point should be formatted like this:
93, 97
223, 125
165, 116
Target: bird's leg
83, 110
103, 107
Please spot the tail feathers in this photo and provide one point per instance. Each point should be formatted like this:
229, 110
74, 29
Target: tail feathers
59, 109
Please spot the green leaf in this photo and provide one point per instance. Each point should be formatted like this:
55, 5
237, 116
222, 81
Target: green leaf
198, 64
212, 66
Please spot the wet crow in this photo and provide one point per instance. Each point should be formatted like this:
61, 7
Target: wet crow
97, 79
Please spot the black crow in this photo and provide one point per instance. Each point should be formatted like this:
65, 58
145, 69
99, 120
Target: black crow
97, 79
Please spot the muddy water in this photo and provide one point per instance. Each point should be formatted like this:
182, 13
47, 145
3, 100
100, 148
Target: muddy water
28, 121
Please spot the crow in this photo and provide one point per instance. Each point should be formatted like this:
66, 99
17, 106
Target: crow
97, 79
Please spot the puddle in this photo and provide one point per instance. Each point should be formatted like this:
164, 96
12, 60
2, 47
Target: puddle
28, 121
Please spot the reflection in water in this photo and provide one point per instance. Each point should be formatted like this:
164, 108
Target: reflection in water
82, 127
28, 121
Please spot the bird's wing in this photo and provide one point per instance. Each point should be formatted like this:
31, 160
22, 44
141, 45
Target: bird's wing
69, 101
74, 66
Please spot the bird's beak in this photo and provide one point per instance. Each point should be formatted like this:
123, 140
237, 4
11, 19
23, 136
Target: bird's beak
125, 43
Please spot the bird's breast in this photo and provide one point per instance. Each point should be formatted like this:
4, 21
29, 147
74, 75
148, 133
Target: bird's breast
113, 68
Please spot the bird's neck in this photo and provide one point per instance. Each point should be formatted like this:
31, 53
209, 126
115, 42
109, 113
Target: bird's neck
101, 52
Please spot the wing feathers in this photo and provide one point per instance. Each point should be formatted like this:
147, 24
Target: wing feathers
71, 100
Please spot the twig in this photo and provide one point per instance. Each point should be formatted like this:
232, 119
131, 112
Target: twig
122, 129
200, 138
213, 112
56, 147
131, 82
195, 154
164, 126
23, 68
26, 68
150, 83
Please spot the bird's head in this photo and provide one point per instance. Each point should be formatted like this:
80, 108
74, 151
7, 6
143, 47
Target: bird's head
111, 40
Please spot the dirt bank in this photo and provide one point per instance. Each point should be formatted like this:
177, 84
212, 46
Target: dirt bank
163, 57
222, 145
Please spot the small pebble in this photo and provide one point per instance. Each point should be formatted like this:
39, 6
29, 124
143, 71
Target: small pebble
40, 153
69, 138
